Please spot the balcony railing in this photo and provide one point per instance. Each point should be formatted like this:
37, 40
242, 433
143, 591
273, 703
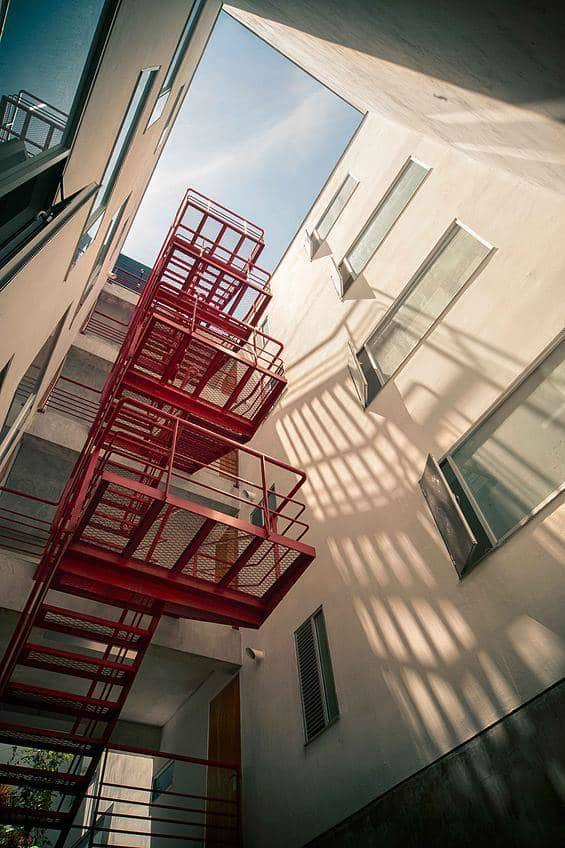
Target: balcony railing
197, 802
105, 326
72, 398
38, 124
164, 800
25, 521
127, 279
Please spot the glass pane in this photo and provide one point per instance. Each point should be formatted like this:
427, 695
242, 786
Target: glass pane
336, 207
45, 46
102, 253
432, 292
516, 458
159, 108
182, 45
124, 137
387, 213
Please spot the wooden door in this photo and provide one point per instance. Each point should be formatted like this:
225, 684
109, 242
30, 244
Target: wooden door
224, 744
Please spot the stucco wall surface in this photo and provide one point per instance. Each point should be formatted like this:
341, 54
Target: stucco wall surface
422, 662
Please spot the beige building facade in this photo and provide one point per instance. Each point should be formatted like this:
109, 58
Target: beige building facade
409, 678
423, 661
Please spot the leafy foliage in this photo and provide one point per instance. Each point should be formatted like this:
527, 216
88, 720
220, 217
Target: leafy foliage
30, 797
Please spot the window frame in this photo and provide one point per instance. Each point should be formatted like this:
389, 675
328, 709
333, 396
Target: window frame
174, 66
49, 165
156, 793
170, 118
315, 238
423, 268
105, 248
98, 209
491, 410
346, 272
329, 720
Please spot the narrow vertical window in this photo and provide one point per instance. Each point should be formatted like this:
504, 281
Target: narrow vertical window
123, 140
102, 253
441, 278
176, 61
506, 468
382, 221
335, 208
315, 674
163, 780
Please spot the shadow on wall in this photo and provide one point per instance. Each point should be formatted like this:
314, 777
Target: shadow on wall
454, 657
503, 788
504, 50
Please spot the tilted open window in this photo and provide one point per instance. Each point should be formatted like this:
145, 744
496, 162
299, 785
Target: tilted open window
332, 212
506, 469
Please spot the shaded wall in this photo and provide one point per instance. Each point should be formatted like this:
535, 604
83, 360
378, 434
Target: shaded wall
505, 787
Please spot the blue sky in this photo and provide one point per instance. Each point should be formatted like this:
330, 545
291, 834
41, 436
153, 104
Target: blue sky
255, 133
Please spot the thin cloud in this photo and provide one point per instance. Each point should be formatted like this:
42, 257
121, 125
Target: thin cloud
265, 156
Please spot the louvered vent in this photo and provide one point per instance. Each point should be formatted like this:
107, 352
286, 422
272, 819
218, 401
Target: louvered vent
317, 688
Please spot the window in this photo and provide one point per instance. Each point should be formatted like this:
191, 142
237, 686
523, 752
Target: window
102, 253
163, 780
334, 210
26, 392
170, 118
506, 469
452, 264
315, 675
48, 62
101, 831
257, 516
123, 141
385, 216
176, 61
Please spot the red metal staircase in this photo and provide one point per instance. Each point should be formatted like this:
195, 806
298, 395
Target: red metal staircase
150, 522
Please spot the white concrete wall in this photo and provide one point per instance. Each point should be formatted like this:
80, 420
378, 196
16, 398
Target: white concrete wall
421, 660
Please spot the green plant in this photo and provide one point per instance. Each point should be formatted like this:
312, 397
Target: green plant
30, 797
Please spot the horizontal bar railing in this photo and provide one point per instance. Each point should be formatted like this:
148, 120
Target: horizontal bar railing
25, 521
105, 326
72, 398
26, 117
168, 798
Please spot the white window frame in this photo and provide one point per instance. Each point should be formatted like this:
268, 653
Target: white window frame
315, 236
174, 66
491, 410
436, 251
345, 263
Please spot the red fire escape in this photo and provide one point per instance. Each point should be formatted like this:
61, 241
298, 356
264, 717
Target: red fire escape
151, 522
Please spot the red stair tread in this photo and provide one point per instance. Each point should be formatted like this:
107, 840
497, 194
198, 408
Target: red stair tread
16, 815
17, 775
54, 700
74, 664
86, 626
49, 740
